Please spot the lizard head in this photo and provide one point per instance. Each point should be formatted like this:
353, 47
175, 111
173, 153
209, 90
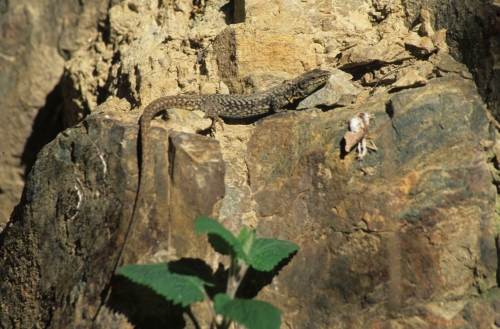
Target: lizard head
308, 82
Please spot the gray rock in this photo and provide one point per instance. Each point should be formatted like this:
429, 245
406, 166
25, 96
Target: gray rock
339, 90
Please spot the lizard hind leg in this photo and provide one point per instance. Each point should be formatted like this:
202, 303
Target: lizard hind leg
212, 110
215, 119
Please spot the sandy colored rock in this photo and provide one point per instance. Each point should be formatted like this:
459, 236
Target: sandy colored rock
242, 50
449, 64
410, 79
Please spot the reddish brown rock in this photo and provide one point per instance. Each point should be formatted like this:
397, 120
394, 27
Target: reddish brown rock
408, 234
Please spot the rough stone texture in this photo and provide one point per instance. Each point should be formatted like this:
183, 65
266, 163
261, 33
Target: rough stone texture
387, 241
76, 208
409, 228
60, 233
404, 239
197, 185
474, 38
338, 91
36, 38
407, 233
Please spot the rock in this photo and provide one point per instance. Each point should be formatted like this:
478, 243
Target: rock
423, 199
439, 38
34, 44
309, 192
255, 50
339, 90
496, 309
449, 65
385, 52
426, 45
403, 239
197, 174
413, 39
76, 196
423, 45
479, 314
187, 121
81, 194
410, 79
262, 80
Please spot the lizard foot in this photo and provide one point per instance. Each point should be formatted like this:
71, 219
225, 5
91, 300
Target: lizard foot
213, 127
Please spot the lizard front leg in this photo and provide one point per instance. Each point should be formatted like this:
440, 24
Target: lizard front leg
276, 105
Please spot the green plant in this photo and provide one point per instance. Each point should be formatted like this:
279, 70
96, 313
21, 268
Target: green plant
187, 285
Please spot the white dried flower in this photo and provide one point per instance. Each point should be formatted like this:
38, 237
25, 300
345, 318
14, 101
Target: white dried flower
358, 127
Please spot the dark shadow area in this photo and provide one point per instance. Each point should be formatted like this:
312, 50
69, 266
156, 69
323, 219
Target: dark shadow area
228, 11
191, 266
254, 281
239, 13
343, 152
103, 92
326, 108
230, 121
389, 109
498, 262
246, 121
396, 90
418, 53
123, 86
143, 307
47, 124
220, 280
359, 71
104, 26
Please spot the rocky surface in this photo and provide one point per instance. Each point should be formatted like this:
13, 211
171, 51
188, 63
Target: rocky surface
473, 39
75, 225
406, 238
37, 37
389, 233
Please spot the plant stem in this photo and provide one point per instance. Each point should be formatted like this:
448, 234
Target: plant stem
210, 305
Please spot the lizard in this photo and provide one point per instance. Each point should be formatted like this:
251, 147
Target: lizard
218, 106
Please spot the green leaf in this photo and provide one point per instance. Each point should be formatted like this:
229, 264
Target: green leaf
179, 288
253, 314
267, 253
246, 239
219, 237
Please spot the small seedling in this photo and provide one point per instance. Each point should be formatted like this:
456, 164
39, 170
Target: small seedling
245, 251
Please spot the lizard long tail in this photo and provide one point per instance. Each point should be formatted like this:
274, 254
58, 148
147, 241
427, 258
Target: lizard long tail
145, 131
145, 127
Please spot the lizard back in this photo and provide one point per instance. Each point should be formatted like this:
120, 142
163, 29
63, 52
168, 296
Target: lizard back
271, 100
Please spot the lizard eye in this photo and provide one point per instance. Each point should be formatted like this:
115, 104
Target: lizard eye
303, 85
